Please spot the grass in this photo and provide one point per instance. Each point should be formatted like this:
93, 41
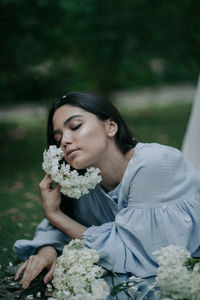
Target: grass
22, 145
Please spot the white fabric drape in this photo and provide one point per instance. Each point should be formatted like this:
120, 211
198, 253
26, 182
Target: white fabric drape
191, 142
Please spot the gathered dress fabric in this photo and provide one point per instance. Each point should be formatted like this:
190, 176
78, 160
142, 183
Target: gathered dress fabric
156, 204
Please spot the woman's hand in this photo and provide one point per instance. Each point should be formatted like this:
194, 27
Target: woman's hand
46, 258
51, 198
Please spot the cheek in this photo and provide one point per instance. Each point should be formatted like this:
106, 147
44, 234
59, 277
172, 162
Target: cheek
92, 140
92, 134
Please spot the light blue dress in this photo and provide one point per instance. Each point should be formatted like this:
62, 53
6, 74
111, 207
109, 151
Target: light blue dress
156, 204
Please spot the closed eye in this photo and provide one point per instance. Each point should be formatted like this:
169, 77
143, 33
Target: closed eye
76, 127
58, 143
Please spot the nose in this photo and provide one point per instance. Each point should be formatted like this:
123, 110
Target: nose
66, 140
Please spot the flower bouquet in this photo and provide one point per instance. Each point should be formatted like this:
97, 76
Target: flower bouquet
72, 184
77, 276
178, 274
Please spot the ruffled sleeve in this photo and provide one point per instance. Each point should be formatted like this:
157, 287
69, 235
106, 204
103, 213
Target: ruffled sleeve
46, 234
159, 204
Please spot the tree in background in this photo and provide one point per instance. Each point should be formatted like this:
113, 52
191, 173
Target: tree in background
51, 47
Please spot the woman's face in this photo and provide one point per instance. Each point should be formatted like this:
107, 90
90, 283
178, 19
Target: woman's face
82, 136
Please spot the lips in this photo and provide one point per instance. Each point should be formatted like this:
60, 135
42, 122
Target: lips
70, 151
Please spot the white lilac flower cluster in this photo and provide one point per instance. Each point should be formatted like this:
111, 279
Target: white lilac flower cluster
77, 276
72, 184
175, 279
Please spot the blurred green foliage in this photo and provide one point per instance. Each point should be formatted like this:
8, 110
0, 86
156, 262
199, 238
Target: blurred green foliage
51, 47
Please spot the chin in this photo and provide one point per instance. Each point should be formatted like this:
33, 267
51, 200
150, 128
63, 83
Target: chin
78, 165
81, 165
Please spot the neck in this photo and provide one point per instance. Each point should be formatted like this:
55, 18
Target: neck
113, 169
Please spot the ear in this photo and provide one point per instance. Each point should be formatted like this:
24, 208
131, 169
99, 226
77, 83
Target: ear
111, 127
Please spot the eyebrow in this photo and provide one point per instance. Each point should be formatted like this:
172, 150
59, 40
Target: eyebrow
67, 121
70, 118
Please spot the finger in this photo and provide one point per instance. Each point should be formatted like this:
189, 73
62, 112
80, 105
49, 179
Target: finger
26, 271
57, 187
49, 275
47, 178
34, 267
46, 182
19, 271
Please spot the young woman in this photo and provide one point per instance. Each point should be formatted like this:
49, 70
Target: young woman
149, 196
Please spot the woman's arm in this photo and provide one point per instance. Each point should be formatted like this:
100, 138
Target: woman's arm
47, 255
51, 200
158, 206
67, 225
45, 235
